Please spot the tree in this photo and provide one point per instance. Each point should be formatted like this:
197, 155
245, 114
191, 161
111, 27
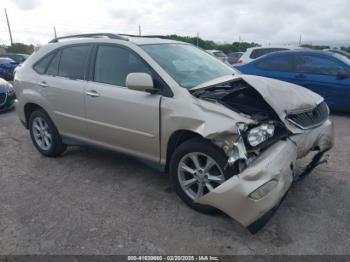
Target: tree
346, 49
316, 47
208, 45
20, 48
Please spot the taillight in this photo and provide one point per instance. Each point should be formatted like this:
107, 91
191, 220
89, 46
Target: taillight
240, 61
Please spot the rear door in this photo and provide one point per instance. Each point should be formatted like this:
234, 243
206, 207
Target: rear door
320, 74
276, 66
63, 84
119, 118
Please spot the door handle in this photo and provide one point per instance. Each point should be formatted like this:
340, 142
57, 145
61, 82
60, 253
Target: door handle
92, 93
300, 76
43, 84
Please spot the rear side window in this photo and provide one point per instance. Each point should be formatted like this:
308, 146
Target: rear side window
114, 63
264, 51
73, 62
317, 65
279, 63
40, 67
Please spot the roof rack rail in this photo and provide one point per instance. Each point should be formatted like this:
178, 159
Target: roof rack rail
96, 35
147, 36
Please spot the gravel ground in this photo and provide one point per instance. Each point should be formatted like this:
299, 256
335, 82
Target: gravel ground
98, 202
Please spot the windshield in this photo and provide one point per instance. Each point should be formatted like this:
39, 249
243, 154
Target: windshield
4, 60
219, 54
188, 65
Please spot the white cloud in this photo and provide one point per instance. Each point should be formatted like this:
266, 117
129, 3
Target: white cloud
27, 4
268, 21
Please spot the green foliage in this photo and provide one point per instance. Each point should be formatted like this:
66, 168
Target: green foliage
20, 48
209, 45
316, 47
346, 49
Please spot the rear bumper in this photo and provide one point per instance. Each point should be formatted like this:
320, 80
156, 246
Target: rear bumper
275, 163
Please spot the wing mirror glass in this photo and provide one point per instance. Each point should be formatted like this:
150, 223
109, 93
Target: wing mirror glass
140, 82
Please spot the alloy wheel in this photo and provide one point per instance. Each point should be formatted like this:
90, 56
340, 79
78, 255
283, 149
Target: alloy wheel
199, 174
42, 134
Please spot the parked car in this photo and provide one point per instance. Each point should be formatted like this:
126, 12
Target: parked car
256, 52
18, 58
232, 58
325, 73
229, 141
7, 96
7, 67
218, 54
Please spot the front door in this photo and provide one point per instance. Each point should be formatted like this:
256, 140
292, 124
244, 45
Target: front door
320, 74
119, 118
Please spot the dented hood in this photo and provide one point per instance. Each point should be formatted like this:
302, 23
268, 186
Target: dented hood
283, 97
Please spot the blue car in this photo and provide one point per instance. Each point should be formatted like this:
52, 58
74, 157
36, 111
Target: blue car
325, 73
7, 68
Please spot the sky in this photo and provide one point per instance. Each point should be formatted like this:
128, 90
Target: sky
261, 21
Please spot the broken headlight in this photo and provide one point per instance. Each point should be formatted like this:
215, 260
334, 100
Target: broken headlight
260, 134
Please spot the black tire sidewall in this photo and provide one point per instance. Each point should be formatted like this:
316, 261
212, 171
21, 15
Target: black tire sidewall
202, 146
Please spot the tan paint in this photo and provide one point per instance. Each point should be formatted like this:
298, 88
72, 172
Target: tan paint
141, 124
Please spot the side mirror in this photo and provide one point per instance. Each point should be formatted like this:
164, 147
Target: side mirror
140, 82
343, 74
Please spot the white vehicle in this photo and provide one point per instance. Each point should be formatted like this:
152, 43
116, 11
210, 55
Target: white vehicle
256, 52
218, 54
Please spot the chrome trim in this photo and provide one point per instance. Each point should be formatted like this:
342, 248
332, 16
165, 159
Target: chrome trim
92, 93
304, 127
309, 126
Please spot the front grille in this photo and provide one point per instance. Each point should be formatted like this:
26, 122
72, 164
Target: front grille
2, 98
310, 119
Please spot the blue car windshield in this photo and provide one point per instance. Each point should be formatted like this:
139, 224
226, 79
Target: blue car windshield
188, 65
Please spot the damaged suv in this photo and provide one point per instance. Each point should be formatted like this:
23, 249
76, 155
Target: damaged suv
229, 141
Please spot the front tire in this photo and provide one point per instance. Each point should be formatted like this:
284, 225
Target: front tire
44, 134
196, 168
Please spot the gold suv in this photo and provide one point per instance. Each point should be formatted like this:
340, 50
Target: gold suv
229, 141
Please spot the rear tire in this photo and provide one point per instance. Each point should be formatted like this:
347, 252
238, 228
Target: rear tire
188, 177
44, 134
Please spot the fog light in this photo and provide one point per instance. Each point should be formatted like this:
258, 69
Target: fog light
263, 190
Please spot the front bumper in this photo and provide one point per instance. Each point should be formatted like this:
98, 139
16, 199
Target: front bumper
8, 104
277, 162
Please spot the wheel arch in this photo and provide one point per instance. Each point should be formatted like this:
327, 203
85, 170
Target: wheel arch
177, 138
29, 108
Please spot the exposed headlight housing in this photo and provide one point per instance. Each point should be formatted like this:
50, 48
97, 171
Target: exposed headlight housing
260, 134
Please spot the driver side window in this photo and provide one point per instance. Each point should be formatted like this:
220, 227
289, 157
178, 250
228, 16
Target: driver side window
114, 63
317, 65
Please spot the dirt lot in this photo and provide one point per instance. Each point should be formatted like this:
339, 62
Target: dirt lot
93, 202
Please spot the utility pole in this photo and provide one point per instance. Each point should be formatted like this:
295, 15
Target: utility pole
197, 38
54, 31
8, 25
139, 30
299, 40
